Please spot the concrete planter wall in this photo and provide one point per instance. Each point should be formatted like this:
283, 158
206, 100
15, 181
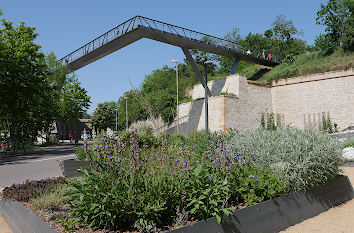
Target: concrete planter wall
279, 213
71, 166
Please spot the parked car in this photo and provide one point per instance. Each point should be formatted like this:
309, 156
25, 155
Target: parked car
88, 135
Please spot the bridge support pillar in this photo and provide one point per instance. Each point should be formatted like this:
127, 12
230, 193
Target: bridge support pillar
195, 68
235, 65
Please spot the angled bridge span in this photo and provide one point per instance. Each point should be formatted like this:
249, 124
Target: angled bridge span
141, 27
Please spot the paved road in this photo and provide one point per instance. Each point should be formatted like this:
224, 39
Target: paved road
34, 167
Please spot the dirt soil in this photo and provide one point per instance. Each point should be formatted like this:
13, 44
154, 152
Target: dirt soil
4, 228
335, 220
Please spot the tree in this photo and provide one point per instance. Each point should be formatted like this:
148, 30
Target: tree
226, 63
104, 115
283, 39
73, 101
284, 29
337, 17
23, 86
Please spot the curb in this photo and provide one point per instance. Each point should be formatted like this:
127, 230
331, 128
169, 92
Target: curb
20, 219
71, 167
39, 150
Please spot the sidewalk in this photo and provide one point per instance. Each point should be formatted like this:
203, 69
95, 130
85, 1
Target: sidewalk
39, 150
335, 220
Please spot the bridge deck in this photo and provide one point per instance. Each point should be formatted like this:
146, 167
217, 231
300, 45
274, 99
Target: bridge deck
140, 27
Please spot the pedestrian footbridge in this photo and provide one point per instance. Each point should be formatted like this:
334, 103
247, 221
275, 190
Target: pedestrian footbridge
141, 27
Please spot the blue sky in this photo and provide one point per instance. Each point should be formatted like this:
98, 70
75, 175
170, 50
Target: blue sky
64, 26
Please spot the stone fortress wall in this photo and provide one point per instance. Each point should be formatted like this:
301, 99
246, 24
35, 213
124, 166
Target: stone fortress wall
235, 104
301, 101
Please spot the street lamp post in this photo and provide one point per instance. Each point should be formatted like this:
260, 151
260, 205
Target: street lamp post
175, 61
206, 64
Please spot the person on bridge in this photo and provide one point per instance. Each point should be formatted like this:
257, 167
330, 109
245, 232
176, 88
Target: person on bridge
270, 56
117, 28
263, 54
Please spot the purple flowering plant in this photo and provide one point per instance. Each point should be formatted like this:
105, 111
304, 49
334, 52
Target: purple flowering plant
130, 182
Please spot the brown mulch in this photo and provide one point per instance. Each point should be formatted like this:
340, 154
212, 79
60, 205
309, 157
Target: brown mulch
52, 214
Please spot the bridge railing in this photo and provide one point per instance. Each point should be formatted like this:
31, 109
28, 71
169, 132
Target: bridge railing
137, 21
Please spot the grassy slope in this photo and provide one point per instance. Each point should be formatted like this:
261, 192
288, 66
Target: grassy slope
305, 64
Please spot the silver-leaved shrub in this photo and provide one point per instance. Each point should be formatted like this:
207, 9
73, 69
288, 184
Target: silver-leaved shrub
305, 158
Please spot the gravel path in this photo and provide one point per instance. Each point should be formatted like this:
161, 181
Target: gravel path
335, 220
3, 226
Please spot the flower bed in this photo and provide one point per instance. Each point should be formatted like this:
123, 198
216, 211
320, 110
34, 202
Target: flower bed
144, 187
136, 186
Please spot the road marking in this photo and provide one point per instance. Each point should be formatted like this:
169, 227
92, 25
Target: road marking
39, 160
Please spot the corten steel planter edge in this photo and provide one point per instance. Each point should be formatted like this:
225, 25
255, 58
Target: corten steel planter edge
20, 219
279, 213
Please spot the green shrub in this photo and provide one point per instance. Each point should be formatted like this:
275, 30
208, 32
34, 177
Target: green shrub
144, 139
199, 141
174, 139
348, 143
306, 158
252, 185
80, 153
207, 194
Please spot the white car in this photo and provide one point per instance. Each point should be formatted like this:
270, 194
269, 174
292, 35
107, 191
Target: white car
88, 135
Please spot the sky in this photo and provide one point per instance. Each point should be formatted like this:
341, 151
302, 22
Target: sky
63, 26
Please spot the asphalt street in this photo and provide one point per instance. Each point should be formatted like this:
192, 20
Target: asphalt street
33, 167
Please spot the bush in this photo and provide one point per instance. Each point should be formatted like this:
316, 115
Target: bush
80, 153
348, 143
198, 141
305, 158
252, 185
207, 194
